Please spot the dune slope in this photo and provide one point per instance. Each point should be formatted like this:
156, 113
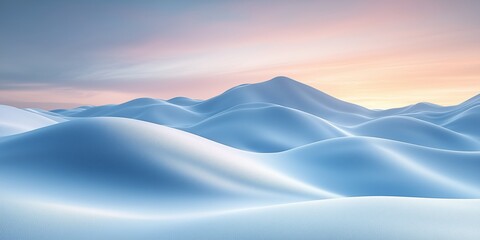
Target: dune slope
271, 160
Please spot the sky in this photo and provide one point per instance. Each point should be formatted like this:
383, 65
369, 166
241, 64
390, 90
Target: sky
378, 54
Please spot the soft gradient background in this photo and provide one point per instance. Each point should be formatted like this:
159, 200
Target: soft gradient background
378, 54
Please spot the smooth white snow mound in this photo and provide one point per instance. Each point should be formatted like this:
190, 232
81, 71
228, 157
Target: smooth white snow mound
252, 127
280, 91
15, 121
466, 122
74, 174
289, 93
281, 114
110, 161
415, 131
365, 166
345, 218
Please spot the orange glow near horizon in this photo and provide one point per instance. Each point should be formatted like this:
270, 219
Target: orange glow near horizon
375, 54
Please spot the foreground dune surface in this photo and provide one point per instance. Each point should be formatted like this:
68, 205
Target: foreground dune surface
342, 218
273, 160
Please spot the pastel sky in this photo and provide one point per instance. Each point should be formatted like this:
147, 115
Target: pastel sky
378, 54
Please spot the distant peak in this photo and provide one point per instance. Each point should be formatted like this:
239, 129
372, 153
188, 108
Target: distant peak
183, 101
178, 99
288, 83
282, 79
141, 101
276, 82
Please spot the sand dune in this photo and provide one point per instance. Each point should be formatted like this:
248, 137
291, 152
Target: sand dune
221, 167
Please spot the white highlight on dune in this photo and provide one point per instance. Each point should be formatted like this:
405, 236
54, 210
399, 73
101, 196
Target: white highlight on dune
343, 218
15, 121
417, 168
200, 161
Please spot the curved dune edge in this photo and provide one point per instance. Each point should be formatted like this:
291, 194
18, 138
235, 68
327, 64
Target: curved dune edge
273, 160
